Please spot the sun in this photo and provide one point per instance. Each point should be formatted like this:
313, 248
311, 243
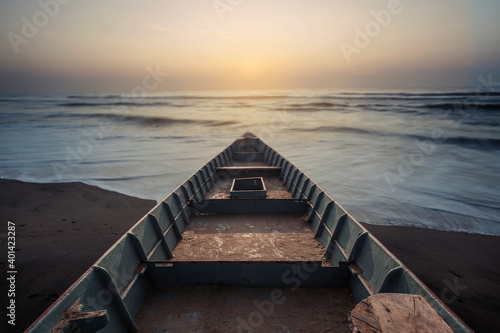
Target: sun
251, 69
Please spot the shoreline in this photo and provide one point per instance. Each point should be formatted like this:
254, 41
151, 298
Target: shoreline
63, 228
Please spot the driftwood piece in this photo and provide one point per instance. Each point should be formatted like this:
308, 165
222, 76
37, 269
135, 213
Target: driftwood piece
74, 315
388, 313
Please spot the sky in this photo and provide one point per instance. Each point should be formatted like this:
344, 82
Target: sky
67, 46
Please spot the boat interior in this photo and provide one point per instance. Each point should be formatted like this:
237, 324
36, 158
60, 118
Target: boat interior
248, 243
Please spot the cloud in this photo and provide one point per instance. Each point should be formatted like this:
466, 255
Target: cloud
225, 36
197, 32
182, 32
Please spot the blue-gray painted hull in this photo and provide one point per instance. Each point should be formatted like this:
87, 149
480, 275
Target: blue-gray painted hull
120, 280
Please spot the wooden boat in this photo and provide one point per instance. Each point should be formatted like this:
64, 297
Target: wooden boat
248, 243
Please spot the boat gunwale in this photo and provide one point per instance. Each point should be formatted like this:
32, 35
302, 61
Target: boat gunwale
111, 248
401, 264
427, 292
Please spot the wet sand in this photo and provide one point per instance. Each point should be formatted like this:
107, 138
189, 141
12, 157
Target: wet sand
62, 229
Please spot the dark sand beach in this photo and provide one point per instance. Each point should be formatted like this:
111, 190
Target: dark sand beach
62, 229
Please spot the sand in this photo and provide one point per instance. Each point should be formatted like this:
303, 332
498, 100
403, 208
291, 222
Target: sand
62, 229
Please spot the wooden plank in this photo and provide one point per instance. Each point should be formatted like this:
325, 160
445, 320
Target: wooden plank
66, 318
74, 314
249, 167
249, 206
394, 313
250, 171
365, 321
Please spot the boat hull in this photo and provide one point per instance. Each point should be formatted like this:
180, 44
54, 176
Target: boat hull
144, 259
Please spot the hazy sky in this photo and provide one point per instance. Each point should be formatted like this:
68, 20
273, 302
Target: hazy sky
106, 46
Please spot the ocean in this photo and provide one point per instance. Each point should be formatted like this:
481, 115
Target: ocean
419, 158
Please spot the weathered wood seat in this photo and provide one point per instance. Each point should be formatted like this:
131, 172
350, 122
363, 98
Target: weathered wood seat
396, 313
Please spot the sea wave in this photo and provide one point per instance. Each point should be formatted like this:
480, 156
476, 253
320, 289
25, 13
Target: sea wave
475, 143
143, 120
461, 106
118, 103
478, 143
182, 97
343, 129
95, 96
418, 94
318, 105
